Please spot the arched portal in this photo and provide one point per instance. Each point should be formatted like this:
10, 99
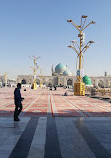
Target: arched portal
94, 82
69, 82
23, 81
1, 82
106, 84
49, 83
100, 84
38, 81
30, 81
110, 84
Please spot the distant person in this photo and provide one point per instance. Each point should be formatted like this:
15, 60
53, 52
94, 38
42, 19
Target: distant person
18, 102
51, 87
55, 88
65, 94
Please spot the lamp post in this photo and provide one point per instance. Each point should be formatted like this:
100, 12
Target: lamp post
79, 86
34, 68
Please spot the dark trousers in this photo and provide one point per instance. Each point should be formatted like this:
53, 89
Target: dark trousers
18, 109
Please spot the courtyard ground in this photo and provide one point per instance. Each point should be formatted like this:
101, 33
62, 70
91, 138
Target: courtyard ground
54, 126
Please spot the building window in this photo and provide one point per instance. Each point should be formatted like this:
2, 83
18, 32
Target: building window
23, 81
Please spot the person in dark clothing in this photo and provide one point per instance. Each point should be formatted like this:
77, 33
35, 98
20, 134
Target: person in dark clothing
65, 94
50, 87
55, 88
18, 102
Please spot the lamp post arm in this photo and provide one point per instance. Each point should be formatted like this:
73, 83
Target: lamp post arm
81, 22
85, 50
77, 44
36, 58
86, 26
31, 67
75, 49
73, 23
85, 46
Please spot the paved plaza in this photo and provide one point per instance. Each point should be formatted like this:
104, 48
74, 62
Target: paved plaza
40, 102
54, 126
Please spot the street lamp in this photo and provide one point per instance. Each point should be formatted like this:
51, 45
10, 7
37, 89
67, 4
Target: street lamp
84, 16
91, 42
93, 22
79, 86
69, 20
34, 68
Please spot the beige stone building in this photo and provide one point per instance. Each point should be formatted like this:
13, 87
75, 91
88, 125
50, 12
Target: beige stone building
2, 81
61, 76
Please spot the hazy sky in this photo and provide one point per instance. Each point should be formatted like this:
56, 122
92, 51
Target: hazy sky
40, 28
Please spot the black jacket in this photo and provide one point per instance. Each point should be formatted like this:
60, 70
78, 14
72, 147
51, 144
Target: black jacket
17, 97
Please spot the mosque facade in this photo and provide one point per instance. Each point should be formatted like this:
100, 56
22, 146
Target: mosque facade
2, 81
61, 76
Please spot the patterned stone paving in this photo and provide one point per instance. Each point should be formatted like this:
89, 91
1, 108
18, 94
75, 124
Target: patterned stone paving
55, 137
36, 104
68, 135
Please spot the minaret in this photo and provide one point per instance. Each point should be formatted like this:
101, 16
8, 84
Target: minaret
52, 70
105, 74
5, 79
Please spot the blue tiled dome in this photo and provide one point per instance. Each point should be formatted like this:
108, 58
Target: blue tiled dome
67, 73
60, 68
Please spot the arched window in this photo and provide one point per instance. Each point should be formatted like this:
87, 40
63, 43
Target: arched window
23, 81
101, 84
69, 82
49, 83
94, 82
38, 81
1, 82
106, 83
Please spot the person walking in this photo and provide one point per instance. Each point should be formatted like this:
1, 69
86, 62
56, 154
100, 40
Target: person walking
55, 88
18, 102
